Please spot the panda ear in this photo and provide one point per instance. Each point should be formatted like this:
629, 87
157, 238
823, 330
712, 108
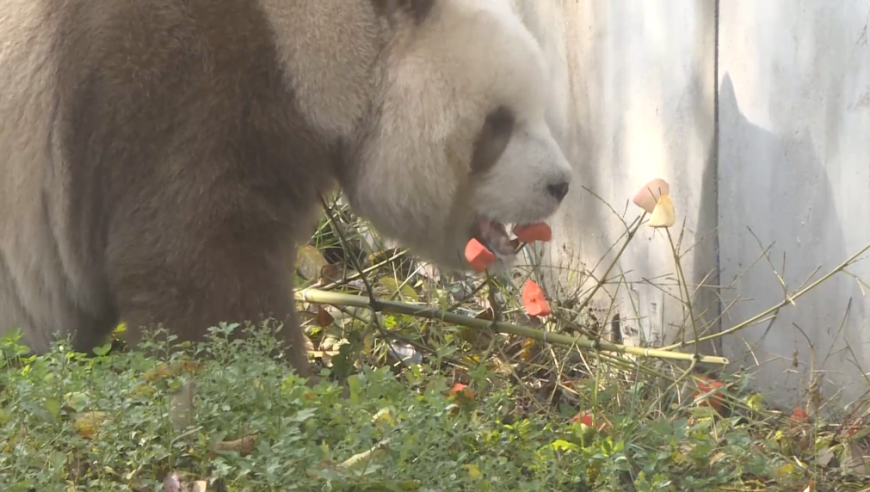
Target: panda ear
416, 9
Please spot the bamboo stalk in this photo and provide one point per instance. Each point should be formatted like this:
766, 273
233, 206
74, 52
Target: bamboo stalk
773, 309
322, 297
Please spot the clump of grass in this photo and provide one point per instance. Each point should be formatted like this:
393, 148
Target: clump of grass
527, 414
497, 437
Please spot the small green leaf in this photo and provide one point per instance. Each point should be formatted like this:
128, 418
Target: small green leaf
102, 350
53, 407
563, 445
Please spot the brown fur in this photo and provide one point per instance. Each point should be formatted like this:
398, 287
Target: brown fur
160, 159
191, 172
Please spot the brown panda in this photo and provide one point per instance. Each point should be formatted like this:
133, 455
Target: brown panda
160, 159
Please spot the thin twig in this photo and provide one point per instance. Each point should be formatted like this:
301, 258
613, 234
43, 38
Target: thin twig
777, 307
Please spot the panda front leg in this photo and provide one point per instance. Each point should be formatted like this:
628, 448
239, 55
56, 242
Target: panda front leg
187, 284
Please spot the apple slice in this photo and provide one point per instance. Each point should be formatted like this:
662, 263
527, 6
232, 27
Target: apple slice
663, 213
647, 197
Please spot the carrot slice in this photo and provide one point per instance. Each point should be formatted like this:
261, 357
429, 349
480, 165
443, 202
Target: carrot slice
478, 256
534, 300
534, 232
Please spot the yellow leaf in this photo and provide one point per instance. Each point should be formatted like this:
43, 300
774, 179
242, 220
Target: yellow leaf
392, 286
473, 471
87, 423
528, 350
663, 215
786, 470
120, 329
754, 401
162, 371
384, 415
143, 389
563, 445
309, 262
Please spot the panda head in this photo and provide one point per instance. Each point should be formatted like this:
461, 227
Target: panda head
457, 146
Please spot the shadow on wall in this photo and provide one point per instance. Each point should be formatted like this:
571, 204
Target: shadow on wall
705, 260
694, 122
777, 186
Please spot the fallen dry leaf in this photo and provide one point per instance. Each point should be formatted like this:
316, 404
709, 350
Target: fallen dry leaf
391, 286
243, 446
824, 456
529, 350
324, 319
859, 459
331, 272
164, 370
310, 262
86, 424
172, 483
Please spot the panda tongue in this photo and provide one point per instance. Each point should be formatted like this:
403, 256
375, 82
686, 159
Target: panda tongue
495, 238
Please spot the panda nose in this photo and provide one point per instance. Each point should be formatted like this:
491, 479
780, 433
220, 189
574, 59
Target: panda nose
558, 190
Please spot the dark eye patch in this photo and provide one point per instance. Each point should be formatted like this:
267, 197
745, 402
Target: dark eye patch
492, 139
418, 9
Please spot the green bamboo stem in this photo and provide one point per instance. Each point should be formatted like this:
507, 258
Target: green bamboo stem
322, 297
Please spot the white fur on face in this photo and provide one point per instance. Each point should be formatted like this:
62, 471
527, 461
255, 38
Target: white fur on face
444, 77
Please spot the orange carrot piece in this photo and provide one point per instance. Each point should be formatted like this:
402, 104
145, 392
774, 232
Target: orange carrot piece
534, 232
478, 256
534, 301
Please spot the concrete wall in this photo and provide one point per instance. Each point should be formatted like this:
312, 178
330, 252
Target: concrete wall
626, 109
794, 166
637, 88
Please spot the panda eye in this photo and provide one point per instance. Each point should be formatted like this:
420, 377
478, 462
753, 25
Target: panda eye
501, 120
492, 139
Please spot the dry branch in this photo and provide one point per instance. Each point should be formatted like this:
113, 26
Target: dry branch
321, 297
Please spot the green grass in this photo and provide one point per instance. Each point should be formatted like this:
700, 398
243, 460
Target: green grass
301, 435
373, 424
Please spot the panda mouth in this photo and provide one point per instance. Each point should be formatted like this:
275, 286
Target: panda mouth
493, 234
